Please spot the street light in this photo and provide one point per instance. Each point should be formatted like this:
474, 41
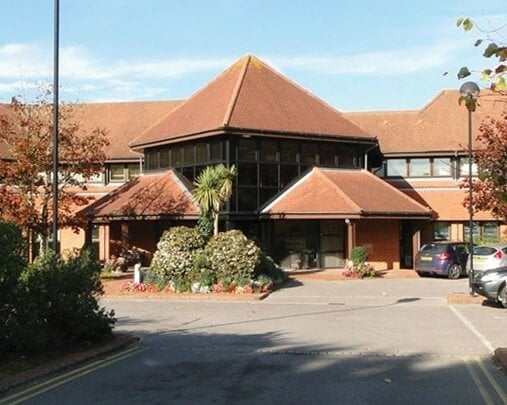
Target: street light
469, 93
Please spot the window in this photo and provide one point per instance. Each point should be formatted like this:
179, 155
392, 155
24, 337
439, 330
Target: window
346, 156
153, 160
466, 232
289, 152
420, 167
247, 199
133, 169
463, 168
396, 167
268, 151
202, 155
164, 158
176, 156
247, 174
247, 149
442, 167
216, 151
308, 153
287, 174
327, 155
490, 230
441, 231
269, 175
95, 239
117, 172
188, 154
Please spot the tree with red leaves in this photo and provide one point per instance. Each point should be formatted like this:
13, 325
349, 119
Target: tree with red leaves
26, 163
490, 190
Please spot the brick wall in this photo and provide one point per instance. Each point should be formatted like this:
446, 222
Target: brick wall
381, 240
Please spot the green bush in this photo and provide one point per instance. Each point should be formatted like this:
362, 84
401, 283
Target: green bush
176, 251
268, 267
358, 266
232, 257
12, 262
358, 255
56, 304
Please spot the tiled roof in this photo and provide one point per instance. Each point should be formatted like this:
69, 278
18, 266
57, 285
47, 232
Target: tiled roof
154, 195
122, 122
441, 126
251, 95
344, 194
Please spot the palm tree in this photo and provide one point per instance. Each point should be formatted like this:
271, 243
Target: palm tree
213, 190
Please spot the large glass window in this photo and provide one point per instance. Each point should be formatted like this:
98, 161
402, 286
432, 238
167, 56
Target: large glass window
308, 153
397, 167
287, 174
327, 155
442, 167
164, 158
420, 167
247, 149
202, 155
268, 152
133, 170
247, 199
346, 156
289, 152
466, 232
176, 156
188, 154
268, 175
247, 174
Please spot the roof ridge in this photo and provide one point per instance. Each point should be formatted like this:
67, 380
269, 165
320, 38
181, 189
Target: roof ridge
397, 190
320, 173
235, 92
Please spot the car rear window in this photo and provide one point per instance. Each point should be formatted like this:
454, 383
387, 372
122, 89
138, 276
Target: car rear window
484, 250
433, 248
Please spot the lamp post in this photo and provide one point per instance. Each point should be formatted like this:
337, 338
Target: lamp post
469, 93
55, 123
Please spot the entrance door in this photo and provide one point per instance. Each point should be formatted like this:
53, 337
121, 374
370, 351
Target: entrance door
406, 244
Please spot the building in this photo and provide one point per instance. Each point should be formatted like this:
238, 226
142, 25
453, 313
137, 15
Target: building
312, 182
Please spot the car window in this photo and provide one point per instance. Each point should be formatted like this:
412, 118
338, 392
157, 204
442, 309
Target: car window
504, 250
460, 249
433, 248
484, 250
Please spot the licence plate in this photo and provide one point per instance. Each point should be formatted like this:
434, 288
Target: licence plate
479, 259
426, 258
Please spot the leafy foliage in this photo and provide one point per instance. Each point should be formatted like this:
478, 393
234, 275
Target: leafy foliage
213, 190
490, 191
358, 266
493, 75
176, 251
268, 267
232, 256
27, 131
56, 304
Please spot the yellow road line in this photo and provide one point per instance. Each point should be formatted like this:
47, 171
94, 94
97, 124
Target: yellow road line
478, 383
72, 375
492, 380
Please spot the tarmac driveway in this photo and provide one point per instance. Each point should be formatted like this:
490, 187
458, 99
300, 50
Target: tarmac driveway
364, 341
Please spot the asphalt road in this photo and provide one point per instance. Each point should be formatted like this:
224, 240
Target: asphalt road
351, 342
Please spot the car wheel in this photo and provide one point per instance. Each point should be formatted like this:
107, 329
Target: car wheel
502, 296
454, 271
421, 274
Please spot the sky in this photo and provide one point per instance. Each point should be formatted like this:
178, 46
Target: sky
356, 55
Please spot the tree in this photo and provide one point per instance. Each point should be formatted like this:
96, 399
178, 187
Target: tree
26, 131
494, 75
213, 190
490, 191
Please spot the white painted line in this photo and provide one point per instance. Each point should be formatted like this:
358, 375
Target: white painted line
472, 328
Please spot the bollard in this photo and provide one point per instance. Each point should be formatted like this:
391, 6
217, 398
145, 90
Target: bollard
137, 273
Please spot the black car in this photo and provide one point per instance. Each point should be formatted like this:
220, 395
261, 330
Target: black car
492, 284
442, 258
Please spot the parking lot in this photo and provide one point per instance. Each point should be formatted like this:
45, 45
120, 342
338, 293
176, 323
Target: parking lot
363, 341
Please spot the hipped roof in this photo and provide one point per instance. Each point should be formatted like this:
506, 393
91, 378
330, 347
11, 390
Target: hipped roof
147, 196
251, 96
337, 193
441, 126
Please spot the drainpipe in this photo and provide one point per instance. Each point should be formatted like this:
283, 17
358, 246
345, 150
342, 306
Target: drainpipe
366, 155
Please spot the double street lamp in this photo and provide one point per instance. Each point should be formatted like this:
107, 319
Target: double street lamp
469, 93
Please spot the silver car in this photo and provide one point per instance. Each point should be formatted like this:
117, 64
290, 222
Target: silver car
488, 257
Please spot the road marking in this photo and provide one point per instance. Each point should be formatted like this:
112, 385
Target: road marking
478, 383
492, 380
472, 328
72, 375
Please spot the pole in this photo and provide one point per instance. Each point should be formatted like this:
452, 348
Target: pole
55, 123
470, 207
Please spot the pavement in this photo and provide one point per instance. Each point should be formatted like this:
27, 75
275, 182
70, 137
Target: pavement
317, 288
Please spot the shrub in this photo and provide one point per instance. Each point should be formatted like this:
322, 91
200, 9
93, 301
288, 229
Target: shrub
57, 304
12, 263
358, 255
358, 266
232, 257
268, 267
176, 251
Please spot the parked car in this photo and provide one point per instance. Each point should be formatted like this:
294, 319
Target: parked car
488, 257
492, 284
442, 258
